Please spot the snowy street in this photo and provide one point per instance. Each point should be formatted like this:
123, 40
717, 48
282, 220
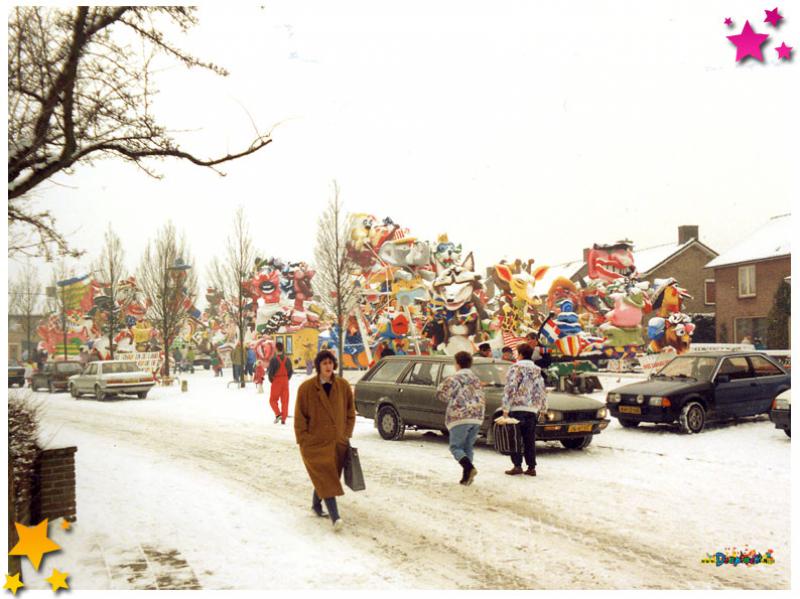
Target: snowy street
200, 490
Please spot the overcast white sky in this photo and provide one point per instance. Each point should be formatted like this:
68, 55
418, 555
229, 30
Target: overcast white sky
522, 129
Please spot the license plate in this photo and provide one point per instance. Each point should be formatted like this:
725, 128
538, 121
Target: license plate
579, 428
630, 410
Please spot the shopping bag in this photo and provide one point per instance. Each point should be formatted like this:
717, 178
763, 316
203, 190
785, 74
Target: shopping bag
508, 438
353, 475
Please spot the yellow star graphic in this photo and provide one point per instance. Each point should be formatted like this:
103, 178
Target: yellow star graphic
58, 580
65, 525
33, 542
13, 583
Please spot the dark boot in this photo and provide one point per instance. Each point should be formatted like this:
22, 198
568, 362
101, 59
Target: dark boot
469, 471
333, 509
316, 505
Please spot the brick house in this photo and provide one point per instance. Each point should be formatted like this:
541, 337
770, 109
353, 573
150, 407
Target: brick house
747, 277
18, 336
685, 260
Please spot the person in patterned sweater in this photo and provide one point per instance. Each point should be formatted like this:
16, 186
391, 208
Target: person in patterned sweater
524, 398
464, 414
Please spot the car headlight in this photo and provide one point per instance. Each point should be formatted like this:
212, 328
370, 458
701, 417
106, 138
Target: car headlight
613, 398
602, 413
662, 402
553, 415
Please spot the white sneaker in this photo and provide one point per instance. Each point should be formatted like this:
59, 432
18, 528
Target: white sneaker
338, 525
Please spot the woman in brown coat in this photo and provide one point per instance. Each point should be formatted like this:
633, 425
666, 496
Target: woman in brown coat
324, 416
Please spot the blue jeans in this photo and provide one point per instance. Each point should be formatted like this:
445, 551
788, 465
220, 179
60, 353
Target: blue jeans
462, 440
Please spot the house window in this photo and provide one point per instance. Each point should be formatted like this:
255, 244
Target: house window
710, 292
752, 330
747, 281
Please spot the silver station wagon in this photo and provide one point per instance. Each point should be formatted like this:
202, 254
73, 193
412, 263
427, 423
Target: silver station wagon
111, 377
399, 392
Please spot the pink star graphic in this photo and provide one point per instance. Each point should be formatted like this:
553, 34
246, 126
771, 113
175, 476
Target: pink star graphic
784, 52
748, 43
729, 22
773, 17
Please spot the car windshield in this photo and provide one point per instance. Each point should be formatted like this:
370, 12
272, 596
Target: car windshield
493, 375
119, 367
696, 367
69, 368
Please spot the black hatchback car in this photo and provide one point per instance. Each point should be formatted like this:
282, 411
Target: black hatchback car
695, 388
399, 392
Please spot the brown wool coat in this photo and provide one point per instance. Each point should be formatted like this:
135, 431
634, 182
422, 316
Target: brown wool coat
323, 426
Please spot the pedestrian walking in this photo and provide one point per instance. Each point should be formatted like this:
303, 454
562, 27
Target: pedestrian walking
216, 364
325, 415
279, 373
237, 359
258, 376
250, 364
524, 398
464, 414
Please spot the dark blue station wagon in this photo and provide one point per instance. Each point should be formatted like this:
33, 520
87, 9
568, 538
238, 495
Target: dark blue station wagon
695, 388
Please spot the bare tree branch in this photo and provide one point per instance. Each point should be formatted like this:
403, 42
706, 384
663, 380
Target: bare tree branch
78, 93
334, 280
168, 290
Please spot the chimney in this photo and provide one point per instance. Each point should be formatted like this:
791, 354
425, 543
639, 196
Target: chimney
687, 232
586, 254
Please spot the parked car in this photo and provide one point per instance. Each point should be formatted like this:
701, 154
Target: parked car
781, 413
697, 388
399, 392
55, 375
111, 377
16, 375
203, 360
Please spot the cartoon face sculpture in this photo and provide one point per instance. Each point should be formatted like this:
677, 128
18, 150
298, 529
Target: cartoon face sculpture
266, 286
454, 286
446, 252
610, 262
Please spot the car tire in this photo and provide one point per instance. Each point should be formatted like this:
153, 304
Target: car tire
99, 394
788, 432
692, 418
577, 443
73, 391
141, 394
390, 424
628, 423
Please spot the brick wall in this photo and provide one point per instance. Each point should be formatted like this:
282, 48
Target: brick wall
769, 275
687, 269
54, 485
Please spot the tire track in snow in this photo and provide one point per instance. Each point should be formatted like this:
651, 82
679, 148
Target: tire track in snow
238, 454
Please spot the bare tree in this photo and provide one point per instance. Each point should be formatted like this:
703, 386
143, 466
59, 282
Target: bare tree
24, 299
110, 269
168, 285
334, 279
231, 275
80, 88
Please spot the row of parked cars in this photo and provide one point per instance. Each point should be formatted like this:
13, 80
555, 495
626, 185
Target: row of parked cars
692, 390
100, 379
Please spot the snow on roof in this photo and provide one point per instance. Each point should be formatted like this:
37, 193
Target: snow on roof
772, 240
647, 259
566, 270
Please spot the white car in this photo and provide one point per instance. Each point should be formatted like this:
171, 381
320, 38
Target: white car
111, 377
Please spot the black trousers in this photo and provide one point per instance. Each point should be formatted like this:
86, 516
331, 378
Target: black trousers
527, 427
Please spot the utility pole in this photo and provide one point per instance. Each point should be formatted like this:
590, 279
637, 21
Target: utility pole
64, 319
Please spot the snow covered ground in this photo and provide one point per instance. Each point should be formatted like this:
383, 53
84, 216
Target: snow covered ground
200, 490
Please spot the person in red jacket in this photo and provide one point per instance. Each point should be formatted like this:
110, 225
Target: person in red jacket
279, 373
258, 376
